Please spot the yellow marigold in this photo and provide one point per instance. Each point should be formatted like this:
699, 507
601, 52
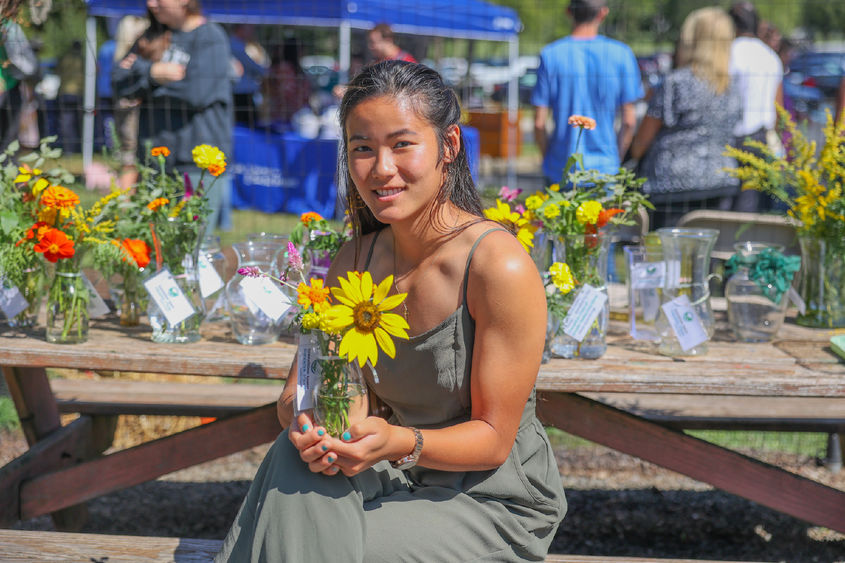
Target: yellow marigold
59, 197
310, 321
157, 202
314, 295
205, 155
562, 277
582, 121
554, 188
551, 211
160, 151
588, 212
533, 202
309, 216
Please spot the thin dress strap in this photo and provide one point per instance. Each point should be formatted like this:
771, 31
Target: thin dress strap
469, 258
370, 253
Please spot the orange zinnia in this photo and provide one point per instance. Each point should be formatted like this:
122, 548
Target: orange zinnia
310, 216
582, 121
59, 197
135, 249
163, 151
157, 202
216, 169
55, 245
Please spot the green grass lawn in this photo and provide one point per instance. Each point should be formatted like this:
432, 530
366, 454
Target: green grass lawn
8, 415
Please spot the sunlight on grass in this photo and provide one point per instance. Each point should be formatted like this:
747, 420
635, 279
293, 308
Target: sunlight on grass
8, 415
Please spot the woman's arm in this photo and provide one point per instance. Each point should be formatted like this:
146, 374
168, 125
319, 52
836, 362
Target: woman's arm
645, 136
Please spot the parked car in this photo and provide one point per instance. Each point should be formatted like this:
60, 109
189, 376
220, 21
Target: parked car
818, 69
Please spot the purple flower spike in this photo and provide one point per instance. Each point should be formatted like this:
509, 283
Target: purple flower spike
189, 187
250, 272
294, 258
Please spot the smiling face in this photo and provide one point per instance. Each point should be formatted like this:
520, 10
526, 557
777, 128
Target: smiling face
393, 158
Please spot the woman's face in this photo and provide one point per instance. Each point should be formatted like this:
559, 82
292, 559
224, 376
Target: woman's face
169, 12
392, 158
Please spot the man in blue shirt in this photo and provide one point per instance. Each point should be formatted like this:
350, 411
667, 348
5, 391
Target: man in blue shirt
591, 75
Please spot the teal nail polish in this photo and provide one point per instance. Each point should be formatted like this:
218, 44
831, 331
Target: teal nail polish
325, 448
306, 428
331, 459
346, 436
320, 432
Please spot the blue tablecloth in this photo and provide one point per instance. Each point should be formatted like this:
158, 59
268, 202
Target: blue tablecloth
285, 172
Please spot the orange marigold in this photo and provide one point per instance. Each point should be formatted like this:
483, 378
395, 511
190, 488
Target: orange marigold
59, 197
582, 121
163, 151
310, 216
157, 202
313, 295
35, 232
135, 249
55, 245
216, 169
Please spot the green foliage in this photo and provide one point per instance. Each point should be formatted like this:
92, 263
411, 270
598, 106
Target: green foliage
8, 414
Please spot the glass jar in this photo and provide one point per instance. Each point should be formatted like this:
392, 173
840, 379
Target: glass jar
755, 314
822, 285
213, 268
67, 306
279, 243
249, 321
586, 256
187, 330
133, 298
31, 289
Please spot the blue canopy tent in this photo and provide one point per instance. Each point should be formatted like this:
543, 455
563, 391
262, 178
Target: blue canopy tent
463, 19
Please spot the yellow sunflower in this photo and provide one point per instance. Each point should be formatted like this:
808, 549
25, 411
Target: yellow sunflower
514, 222
363, 314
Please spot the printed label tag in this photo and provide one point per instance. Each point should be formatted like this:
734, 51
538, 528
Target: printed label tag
684, 322
96, 306
12, 301
266, 296
169, 297
307, 373
648, 275
210, 280
797, 300
583, 312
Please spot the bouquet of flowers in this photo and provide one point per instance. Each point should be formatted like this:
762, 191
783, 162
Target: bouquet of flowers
319, 241
810, 183
342, 329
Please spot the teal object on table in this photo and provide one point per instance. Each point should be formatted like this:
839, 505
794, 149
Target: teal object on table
838, 345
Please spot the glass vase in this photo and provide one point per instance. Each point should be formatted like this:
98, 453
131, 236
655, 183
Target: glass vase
188, 330
822, 285
586, 256
249, 320
133, 300
686, 254
752, 315
341, 397
213, 282
67, 306
32, 289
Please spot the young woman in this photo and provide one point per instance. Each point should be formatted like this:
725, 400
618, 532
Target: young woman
484, 484
689, 122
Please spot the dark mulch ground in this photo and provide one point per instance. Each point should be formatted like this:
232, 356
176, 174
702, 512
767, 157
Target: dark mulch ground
618, 505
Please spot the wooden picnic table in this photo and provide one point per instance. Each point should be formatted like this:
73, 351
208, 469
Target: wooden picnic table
64, 467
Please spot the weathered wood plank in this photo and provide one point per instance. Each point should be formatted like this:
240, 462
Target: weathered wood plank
727, 470
19, 546
126, 468
33, 400
123, 396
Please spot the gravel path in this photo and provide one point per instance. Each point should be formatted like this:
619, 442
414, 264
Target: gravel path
618, 505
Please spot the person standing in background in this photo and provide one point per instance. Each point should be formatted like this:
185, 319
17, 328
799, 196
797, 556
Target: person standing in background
382, 47
186, 96
71, 70
287, 88
757, 72
253, 72
17, 62
585, 74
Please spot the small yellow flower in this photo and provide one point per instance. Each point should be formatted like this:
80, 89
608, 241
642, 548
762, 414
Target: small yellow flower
533, 202
554, 188
205, 156
551, 211
39, 186
562, 277
588, 212
25, 174
310, 321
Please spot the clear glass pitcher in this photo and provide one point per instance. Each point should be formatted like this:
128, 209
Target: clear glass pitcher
754, 315
249, 319
686, 252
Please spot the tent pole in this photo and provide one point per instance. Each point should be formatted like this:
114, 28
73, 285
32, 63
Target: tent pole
345, 54
513, 109
90, 85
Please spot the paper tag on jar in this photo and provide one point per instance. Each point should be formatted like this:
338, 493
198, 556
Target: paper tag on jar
307, 373
583, 312
264, 294
684, 322
210, 280
12, 301
169, 297
96, 306
797, 300
648, 275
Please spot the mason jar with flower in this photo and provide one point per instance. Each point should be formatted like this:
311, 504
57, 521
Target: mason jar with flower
810, 184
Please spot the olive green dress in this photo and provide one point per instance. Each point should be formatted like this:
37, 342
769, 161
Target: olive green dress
386, 515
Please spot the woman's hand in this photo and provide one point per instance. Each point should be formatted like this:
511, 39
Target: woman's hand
368, 442
313, 444
167, 72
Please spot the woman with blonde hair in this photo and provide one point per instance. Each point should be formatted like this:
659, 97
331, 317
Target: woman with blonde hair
689, 121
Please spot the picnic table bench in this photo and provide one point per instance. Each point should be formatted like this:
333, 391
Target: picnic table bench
64, 467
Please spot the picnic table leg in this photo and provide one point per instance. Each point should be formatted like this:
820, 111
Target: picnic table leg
39, 417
